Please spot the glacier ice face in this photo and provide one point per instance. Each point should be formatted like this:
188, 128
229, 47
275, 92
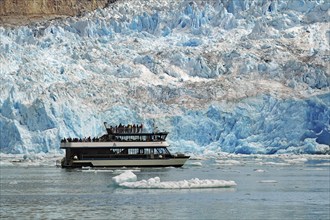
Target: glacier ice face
244, 76
258, 125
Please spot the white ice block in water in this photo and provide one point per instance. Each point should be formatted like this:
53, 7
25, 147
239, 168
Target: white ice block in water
155, 183
127, 176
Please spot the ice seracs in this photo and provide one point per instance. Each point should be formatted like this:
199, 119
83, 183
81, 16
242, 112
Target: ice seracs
235, 76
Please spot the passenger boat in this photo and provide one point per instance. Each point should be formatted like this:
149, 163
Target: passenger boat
121, 146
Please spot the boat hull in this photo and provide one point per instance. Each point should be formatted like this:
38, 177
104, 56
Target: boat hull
170, 162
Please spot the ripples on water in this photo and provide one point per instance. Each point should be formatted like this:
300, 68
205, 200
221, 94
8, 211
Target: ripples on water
267, 188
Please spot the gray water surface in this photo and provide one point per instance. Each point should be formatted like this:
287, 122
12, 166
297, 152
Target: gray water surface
264, 191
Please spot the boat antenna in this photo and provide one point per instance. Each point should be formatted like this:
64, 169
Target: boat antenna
105, 124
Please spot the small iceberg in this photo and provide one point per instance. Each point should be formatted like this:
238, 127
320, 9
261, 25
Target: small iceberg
128, 180
197, 164
267, 181
259, 170
127, 176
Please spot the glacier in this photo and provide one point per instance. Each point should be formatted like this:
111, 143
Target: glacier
248, 76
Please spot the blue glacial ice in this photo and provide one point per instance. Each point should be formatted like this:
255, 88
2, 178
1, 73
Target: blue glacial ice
257, 125
244, 76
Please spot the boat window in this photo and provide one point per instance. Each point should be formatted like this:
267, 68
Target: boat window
117, 150
147, 151
166, 151
141, 151
160, 150
133, 151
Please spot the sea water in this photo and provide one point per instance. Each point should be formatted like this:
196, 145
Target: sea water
267, 188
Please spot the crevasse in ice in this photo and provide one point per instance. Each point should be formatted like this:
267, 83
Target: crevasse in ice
244, 76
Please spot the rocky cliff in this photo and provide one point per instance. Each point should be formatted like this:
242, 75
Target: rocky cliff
17, 12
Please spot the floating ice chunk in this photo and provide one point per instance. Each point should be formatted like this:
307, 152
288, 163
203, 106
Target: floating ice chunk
316, 169
267, 181
227, 162
274, 163
87, 170
297, 160
103, 171
324, 164
259, 171
124, 170
197, 157
196, 164
155, 183
5, 164
125, 177
96, 170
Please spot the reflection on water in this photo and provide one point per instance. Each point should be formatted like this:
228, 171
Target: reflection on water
296, 191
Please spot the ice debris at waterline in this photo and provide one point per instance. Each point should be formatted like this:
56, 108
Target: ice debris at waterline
128, 180
243, 76
126, 176
155, 183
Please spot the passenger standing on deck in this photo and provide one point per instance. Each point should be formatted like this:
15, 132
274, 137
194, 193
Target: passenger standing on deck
120, 128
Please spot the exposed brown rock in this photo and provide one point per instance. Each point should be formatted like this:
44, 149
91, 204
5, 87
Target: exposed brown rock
18, 12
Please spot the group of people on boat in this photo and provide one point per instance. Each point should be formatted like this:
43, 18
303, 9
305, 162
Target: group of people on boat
135, 128
89, 139
126, 129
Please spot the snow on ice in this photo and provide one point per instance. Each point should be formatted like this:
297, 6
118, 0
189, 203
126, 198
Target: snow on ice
246, 76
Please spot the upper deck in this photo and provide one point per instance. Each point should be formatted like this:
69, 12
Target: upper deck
115, 144
119, 136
